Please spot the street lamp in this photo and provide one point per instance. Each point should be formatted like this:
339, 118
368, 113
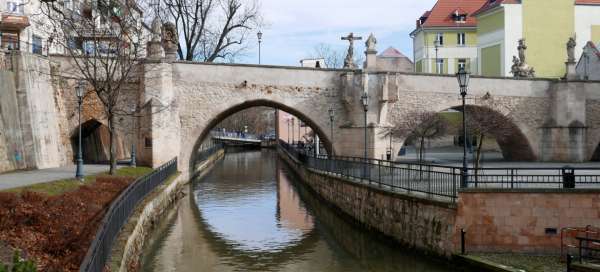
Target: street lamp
389, 152
134, 111
331, 116
79, 91
293, 140
289, 120
259, 36
463, 81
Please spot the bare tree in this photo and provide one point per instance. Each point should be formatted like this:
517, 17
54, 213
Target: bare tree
103, 42
485, 123
211, 29
333, 58
420, 126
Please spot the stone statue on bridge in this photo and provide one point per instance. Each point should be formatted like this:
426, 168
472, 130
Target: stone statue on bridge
520, 68
349, 60
170, 40
571, 44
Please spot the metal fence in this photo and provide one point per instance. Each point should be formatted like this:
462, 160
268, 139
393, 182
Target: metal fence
433, 181
442, 181
118, 213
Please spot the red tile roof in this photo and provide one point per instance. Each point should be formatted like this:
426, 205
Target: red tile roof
490, 4
587, 2
392, 52
441, 13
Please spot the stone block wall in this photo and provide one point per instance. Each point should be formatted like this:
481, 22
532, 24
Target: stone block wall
523, 221
419, 223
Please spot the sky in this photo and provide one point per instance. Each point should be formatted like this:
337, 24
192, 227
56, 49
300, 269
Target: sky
294, 27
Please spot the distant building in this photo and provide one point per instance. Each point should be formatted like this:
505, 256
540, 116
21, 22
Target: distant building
393, 60
445, 37
313, 63
545, 25
588, 67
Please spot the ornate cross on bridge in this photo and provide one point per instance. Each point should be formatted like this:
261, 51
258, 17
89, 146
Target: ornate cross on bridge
349, 60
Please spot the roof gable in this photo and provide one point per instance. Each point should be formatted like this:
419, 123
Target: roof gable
443, 12
392, 52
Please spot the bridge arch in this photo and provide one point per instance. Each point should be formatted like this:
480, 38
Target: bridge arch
514, 143
202, 131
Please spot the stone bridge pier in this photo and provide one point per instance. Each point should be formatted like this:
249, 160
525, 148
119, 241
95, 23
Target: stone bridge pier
552, 120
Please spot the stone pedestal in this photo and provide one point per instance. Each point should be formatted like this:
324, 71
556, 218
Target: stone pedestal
155, 51
371, 60
571, 70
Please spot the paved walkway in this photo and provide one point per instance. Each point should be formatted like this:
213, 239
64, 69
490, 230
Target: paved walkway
25, 178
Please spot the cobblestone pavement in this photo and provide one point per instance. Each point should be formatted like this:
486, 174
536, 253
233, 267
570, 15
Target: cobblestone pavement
529, 263
25, 178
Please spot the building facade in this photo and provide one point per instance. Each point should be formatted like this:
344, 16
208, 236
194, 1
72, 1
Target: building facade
445, 37
546, 27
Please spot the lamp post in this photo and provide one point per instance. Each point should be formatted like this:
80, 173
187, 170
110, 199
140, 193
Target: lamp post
259, 36
293, 140
134, 111
365, 102
79, 91
463, 81
389, 152
289, 120
331, 116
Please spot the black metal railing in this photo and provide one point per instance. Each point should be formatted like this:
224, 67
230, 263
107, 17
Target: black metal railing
443, 180
118, 213
431, 181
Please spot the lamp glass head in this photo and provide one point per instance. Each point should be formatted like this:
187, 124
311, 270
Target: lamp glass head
463, 78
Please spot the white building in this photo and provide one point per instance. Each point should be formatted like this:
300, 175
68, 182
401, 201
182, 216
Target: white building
588, 67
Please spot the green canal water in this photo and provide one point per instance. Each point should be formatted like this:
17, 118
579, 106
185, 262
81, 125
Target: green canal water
251, 214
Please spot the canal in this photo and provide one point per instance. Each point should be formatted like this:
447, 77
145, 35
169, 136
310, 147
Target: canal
250, 213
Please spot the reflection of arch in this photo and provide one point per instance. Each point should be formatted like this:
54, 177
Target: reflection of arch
202, 132
596, 154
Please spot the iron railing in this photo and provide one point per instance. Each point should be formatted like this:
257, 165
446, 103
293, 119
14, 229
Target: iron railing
433, 181
118, 213
443, 180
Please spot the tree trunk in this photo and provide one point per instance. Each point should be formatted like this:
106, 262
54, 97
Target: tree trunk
421, 149
478, 155
112, 144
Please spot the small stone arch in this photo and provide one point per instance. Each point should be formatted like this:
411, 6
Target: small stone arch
96, 142
203, 131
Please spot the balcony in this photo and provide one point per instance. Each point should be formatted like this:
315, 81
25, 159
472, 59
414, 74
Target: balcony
13, 21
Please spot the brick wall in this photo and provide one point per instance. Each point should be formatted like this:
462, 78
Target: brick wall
517, 221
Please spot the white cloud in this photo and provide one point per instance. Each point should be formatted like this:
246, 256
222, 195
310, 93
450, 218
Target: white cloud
295, 26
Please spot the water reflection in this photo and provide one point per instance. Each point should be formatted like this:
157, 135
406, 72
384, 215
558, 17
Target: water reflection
250, 215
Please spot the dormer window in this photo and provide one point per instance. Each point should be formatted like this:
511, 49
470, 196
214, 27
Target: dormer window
459, 16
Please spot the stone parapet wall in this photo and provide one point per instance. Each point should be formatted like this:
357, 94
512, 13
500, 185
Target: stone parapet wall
518, 221
424, 224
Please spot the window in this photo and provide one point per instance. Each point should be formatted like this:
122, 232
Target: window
9, 40
439, 39
462, 64
461, 38
36, 45
14, 7
439, 66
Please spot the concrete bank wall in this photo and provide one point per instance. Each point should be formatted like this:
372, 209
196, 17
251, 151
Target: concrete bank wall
419, 223
523, 221
125, 256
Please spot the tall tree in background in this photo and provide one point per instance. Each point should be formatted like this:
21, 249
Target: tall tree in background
333, 58
420, 126
103, 43
484, 123
211, 29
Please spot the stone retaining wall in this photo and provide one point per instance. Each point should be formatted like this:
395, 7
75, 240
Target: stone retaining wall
424, 224
526, 221
142, 223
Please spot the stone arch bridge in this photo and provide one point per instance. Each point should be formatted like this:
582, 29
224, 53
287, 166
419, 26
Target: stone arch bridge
553, 120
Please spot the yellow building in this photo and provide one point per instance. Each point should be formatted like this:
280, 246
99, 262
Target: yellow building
445, 37
546, 26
